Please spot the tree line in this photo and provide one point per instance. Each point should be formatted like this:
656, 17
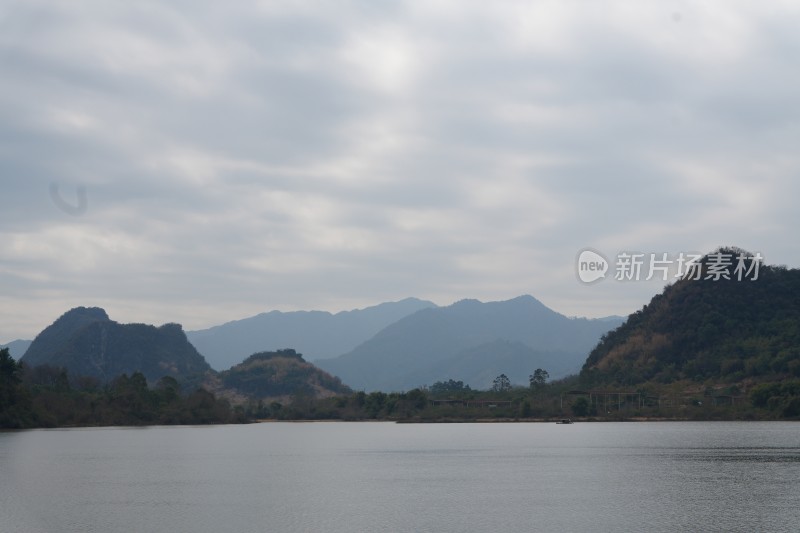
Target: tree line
45, 396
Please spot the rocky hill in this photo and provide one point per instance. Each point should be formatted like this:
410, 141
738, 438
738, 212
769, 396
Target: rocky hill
86, 342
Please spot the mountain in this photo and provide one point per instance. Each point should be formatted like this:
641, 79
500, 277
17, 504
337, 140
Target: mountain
87, 342
318, 334
706, 330
613, 318
16, 348
478, 366
273, 375
472, 337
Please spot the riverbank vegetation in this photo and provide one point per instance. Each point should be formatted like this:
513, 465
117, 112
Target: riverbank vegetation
44, 396
47, 397
454, 402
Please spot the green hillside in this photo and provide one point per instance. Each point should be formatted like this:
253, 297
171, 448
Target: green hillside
706, 330
278, 374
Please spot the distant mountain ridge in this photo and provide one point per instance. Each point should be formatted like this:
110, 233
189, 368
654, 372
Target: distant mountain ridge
469, 341
317, 334
86, 342
17, 348
472, 339
480, 365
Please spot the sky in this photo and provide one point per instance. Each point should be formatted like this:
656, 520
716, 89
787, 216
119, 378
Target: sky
200, 162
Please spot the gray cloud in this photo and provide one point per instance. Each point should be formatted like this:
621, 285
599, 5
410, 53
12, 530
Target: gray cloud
313, 155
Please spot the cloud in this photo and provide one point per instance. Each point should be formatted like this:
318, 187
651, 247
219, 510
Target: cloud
299, 155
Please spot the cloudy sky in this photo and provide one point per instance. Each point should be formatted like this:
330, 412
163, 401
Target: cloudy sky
202, 161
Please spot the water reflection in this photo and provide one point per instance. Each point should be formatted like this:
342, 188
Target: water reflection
388, 477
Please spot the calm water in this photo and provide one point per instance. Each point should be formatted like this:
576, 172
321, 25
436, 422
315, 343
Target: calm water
331, 477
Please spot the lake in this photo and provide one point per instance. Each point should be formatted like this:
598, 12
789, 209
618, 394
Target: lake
371, 477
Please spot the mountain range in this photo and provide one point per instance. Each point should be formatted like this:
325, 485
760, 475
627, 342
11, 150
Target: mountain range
470, 341
317, 334
707, 330
392, 346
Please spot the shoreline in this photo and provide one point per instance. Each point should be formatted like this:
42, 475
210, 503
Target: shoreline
410, 421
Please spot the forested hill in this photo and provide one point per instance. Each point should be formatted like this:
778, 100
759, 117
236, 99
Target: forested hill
272, 375
86, 342
724, 330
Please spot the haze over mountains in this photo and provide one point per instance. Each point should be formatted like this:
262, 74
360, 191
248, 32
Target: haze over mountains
17, 348
87, 343
470, 341
709, 333
391, 347
315, 334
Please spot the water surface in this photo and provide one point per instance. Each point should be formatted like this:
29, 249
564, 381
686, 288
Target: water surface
345, 477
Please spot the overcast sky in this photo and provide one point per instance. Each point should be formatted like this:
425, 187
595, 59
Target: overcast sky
199, 162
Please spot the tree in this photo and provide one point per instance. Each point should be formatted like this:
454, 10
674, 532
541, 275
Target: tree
443, 388
417, 398
131, 396
580, 407
14, 400
9, 379
525, 409
361, 398
539, 378
167, 389
374, 403
501, 383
